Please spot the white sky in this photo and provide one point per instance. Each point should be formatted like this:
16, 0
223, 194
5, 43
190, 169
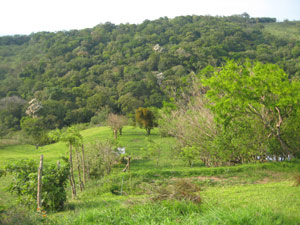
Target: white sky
27, 16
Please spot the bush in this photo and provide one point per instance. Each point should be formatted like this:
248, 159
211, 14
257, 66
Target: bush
19, 215
101, 157
25, 184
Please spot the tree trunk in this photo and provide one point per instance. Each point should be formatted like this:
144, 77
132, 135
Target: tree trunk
120, 131
115, 133
39, 188
83, 164
148, 131
79, 173
72, 180
284, 146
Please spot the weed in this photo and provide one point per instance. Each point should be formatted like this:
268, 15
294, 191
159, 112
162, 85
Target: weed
180, 190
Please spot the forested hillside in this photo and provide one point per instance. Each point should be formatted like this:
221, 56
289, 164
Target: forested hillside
82, 75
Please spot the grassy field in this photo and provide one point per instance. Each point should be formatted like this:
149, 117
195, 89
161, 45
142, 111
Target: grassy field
261, 193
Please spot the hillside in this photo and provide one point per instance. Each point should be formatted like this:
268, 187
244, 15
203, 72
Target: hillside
262, 193
285, 30
81, 75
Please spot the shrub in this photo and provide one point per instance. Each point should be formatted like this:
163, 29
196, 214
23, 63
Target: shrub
25, 184
19, 215
101, 156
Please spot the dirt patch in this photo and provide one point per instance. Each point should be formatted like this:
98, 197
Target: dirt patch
264, 181
208, 178
201, 178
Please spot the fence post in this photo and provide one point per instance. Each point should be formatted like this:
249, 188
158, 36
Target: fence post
83, 164
39, 188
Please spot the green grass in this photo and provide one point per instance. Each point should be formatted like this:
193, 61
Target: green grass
284, 30
262, 193
133, 139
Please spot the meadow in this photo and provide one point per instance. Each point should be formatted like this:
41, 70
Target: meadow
260, 193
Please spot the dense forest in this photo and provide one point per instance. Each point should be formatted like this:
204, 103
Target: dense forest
80, 76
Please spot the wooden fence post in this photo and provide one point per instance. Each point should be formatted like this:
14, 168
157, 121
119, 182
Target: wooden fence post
72, 180
127, 167
39, 188
83, 164
79, 173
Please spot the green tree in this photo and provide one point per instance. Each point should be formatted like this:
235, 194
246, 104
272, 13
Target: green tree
243, 92
25, 182
73, 138
35, 128
145, 119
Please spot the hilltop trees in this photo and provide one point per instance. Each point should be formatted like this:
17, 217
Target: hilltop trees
11, 112
76, 74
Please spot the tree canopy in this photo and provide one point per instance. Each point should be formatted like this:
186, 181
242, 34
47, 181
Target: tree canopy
77, 74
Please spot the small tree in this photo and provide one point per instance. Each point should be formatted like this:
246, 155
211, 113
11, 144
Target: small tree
145, 119
189, 154
73, 138
116, 122
34, 127
154, 150
24, 184
101, 156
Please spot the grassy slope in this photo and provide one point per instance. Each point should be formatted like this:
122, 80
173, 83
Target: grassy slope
290, 30
246, 194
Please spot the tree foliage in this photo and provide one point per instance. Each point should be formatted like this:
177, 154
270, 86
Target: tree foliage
24, 184
101, 157
77, 73
256, 93
145, 119
244, 112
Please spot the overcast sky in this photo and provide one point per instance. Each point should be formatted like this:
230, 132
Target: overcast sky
27, 16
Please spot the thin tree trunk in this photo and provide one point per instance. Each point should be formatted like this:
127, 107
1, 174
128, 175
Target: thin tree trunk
72, 180
115, 133
83, 164
79, 173
39, 188
285, 147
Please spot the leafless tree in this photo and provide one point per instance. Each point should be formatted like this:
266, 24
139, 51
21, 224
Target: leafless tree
116, 122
